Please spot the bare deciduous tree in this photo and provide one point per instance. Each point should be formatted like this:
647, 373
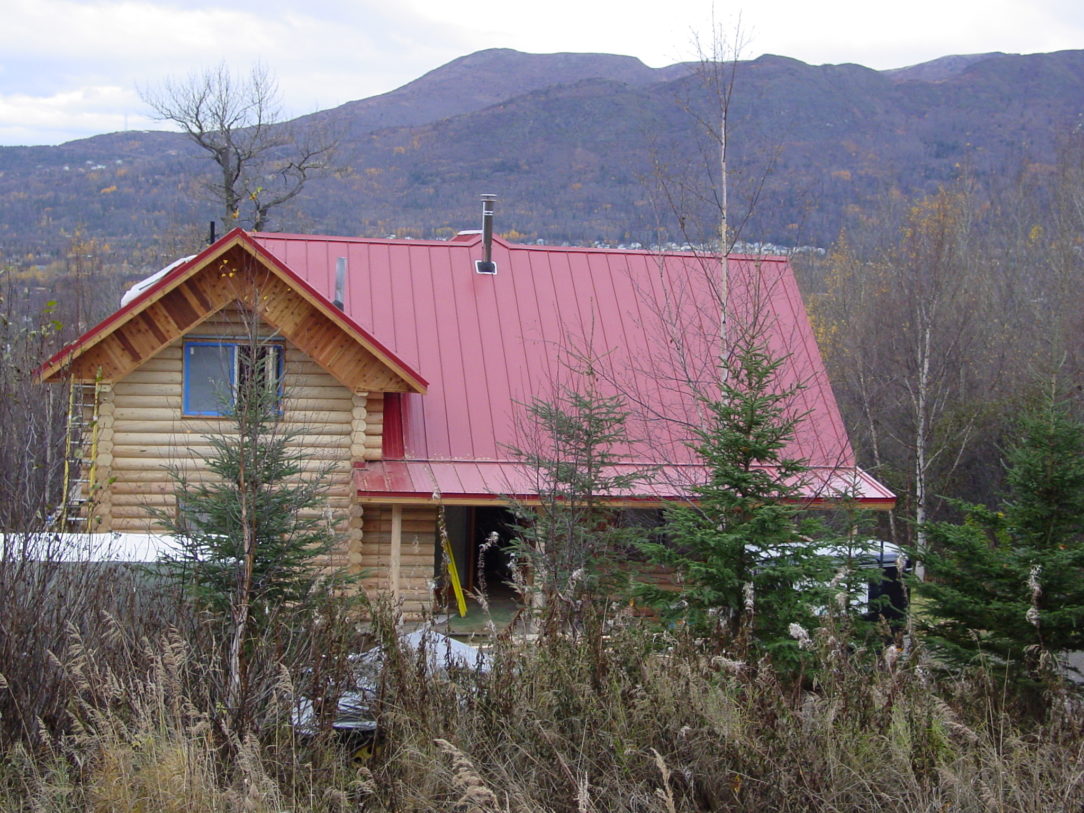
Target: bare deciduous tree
262, 162
913, 334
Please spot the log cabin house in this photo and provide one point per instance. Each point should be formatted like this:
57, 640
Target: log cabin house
409, 363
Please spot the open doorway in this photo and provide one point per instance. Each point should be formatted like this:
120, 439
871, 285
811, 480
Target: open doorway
494, 558
481, 541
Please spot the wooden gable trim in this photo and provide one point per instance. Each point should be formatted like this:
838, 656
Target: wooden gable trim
234, 270
162, 320
87, 353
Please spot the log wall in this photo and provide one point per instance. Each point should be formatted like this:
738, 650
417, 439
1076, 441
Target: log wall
417, 552
142, 433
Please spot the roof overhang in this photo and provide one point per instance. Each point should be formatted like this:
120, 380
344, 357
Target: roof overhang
491, 482
235, 269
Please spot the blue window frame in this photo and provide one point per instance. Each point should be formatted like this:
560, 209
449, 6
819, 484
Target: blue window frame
213, 369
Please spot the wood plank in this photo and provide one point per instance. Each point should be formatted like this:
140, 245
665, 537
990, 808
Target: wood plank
152, 464
129, 504
163, 449
131, 354
139, 412
286, 310
312, 379
149, 406
185, 429
152, 499
180, 309
195, 291
164, 434
167, 359
145, 376
153, 390
141, 477
131, 512
133, 392
142, 488
153, 321
396, 550
106, 355
300, 405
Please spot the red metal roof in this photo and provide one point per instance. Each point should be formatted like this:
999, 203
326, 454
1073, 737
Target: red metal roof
482, 481
488, 344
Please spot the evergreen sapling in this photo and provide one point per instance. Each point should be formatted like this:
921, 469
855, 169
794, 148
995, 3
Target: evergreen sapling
1007, 587
746, 560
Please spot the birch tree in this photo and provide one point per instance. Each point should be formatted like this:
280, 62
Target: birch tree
907, 334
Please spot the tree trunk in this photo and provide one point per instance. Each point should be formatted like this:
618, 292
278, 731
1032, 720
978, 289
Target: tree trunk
921, 462
235, 696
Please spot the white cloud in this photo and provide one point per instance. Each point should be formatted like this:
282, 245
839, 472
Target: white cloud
70, 114
890, 35
324, 53
54, 53
660, 33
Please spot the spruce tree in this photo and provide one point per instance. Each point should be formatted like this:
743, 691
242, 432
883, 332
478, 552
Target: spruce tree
250, 538
573, 539
1005, 587
746, 560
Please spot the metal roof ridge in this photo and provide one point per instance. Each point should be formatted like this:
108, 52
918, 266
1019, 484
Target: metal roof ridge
469, 237
357, 239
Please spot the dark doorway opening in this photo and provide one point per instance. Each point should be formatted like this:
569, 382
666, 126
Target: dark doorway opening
481, 540
492, 534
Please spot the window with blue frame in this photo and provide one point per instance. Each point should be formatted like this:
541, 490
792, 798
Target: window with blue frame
216, 370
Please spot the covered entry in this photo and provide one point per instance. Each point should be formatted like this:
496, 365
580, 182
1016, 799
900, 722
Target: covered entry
481, 539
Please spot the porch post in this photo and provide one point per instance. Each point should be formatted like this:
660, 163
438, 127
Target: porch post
396, 550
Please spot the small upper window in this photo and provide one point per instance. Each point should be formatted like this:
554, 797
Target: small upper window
216, 372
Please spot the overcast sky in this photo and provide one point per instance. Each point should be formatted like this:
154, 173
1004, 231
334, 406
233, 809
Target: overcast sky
73, 68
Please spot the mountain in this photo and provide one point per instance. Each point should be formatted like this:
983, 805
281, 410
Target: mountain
581, 148
939, 69
486, 78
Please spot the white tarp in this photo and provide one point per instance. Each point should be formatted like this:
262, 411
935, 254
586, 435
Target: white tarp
76, 547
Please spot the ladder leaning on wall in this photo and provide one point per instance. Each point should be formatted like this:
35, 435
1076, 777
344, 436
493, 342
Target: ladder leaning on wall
80, 452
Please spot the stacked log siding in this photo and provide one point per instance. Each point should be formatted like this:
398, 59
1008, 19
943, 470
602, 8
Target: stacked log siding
416, 559
148, 434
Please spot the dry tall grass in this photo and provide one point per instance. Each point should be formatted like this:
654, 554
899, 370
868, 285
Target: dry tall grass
638, 720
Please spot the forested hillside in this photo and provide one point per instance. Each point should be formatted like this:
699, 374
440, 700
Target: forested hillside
583, 148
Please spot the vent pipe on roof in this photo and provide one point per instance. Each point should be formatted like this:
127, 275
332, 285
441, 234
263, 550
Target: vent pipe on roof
486, 264
487, 227
211, 234
340, 282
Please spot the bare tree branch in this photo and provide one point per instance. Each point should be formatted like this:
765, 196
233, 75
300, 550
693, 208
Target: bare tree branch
262, 162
